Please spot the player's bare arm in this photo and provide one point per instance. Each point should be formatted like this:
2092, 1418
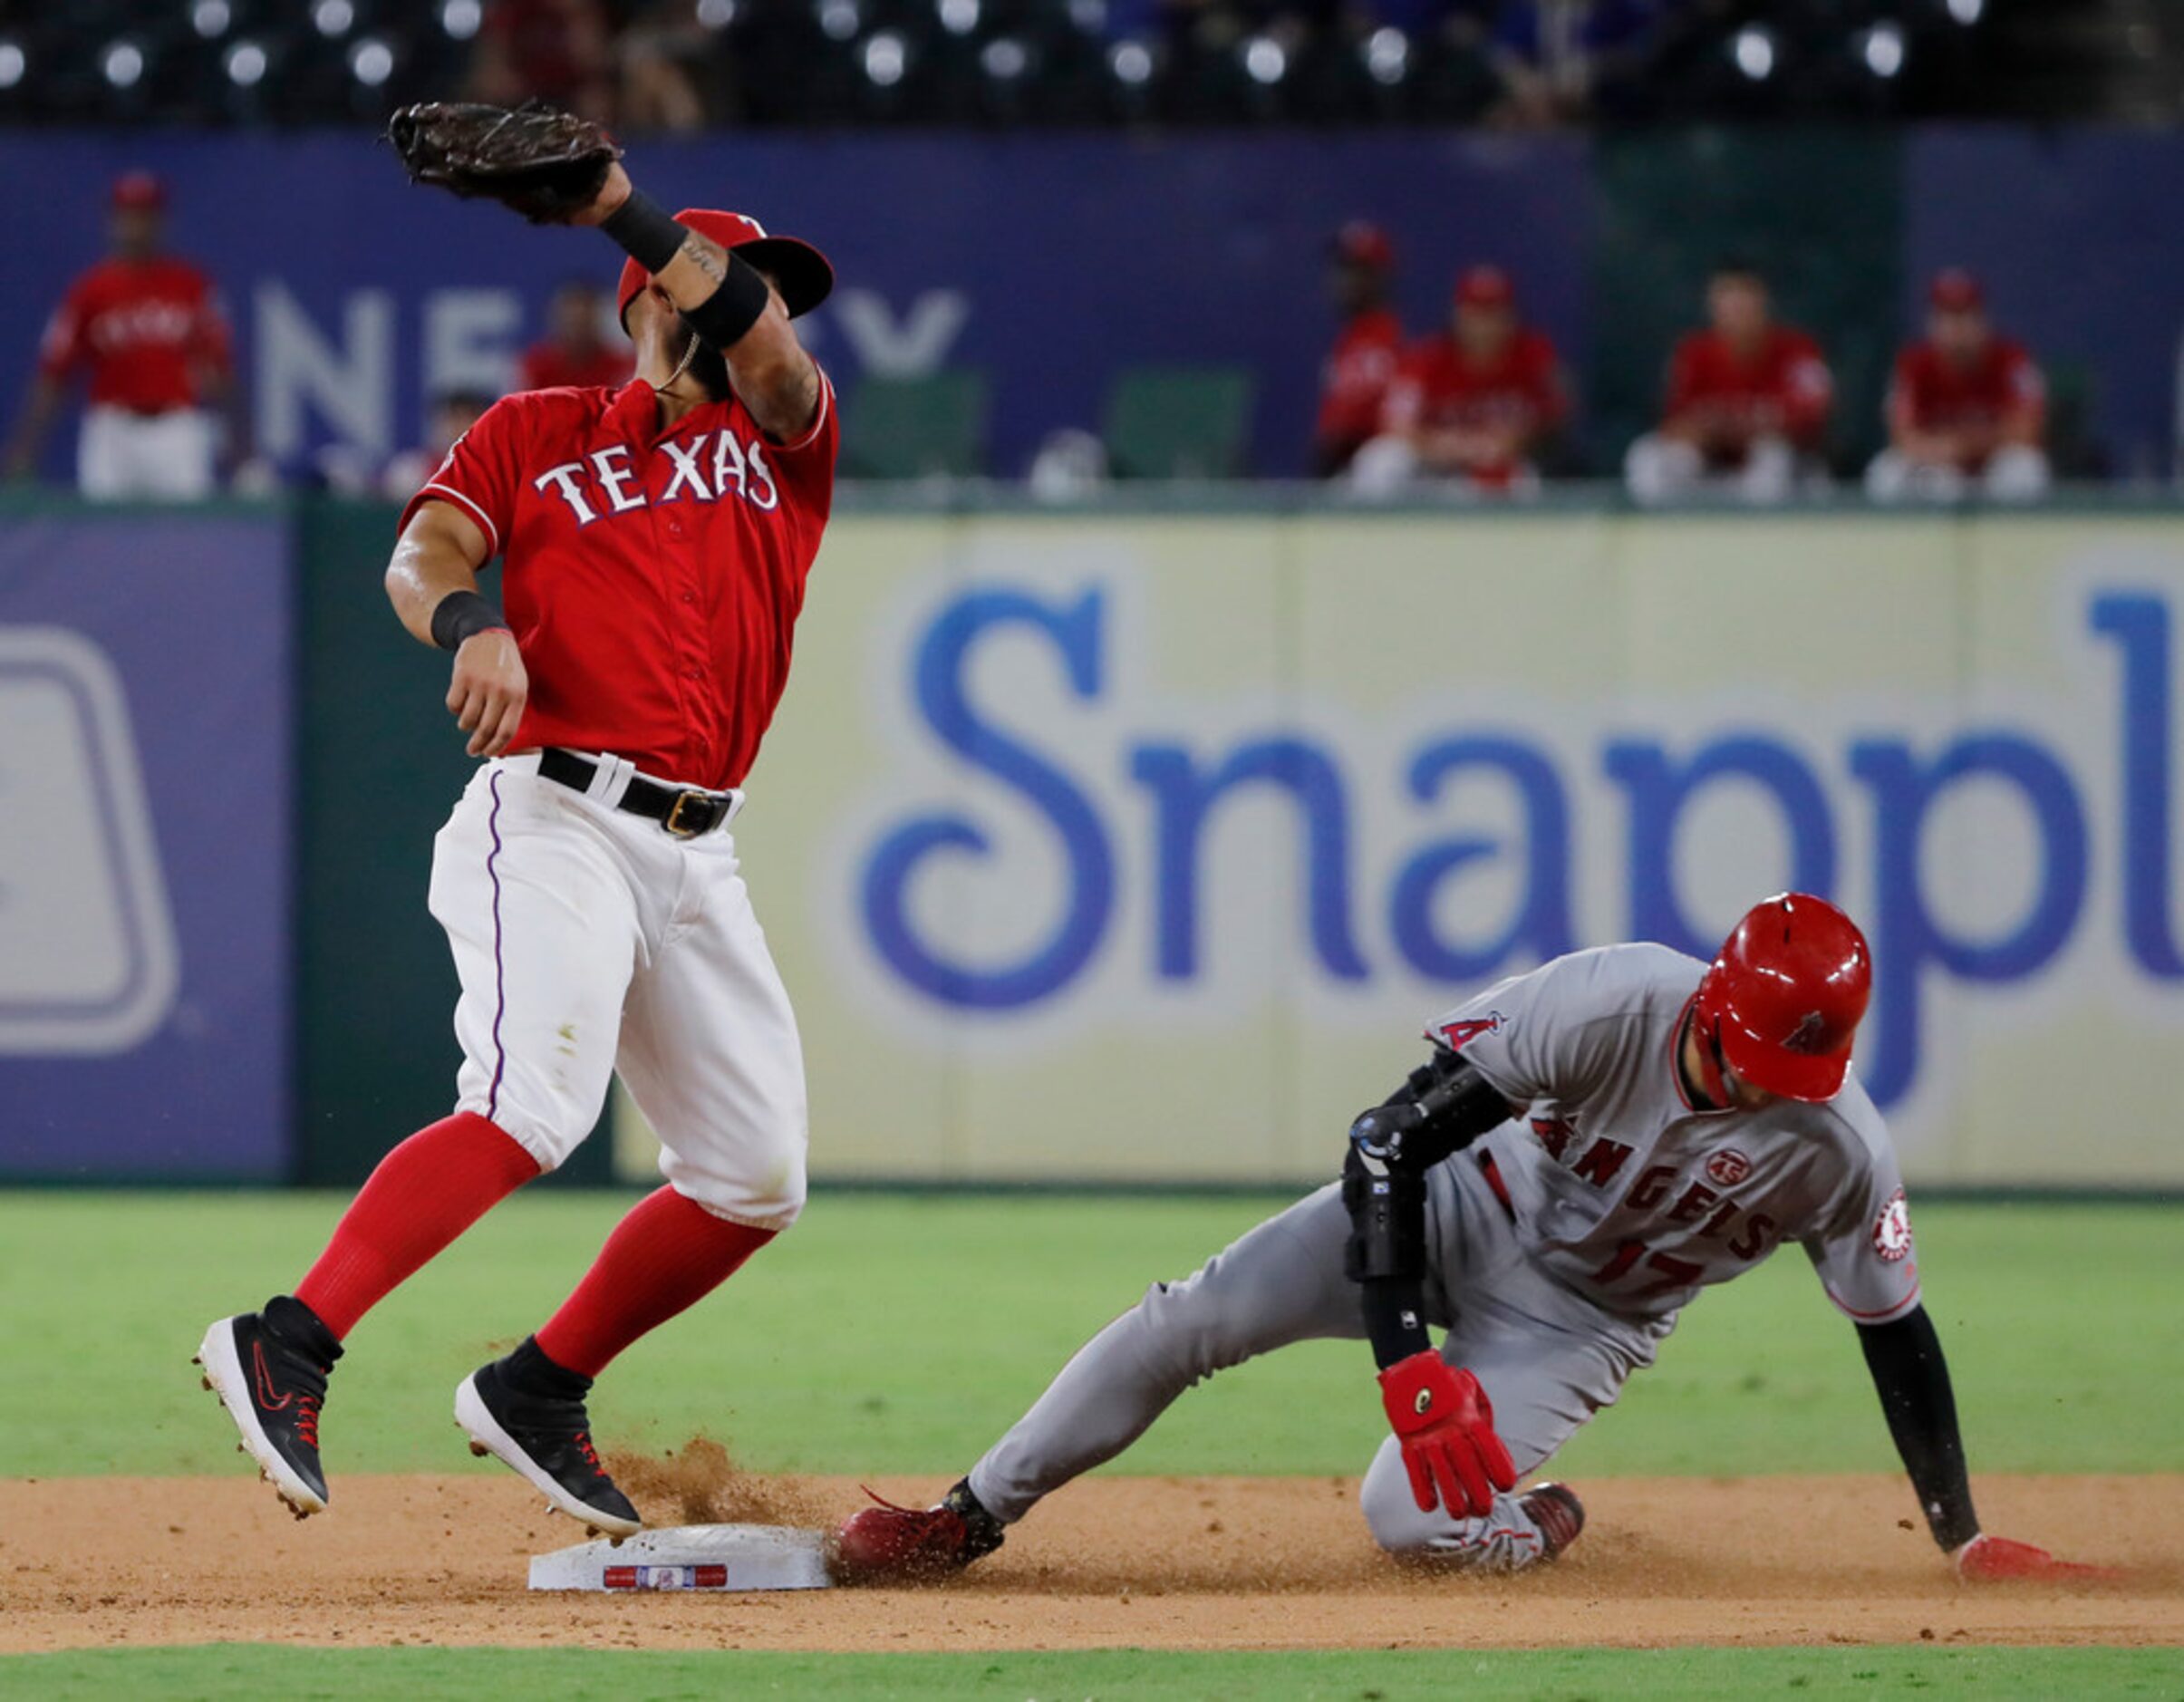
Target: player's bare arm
39, 407
556, 168
432, 582
777, 381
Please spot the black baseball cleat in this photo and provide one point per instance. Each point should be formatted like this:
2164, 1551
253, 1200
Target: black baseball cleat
1560, 1515
529, 1414
269, 1369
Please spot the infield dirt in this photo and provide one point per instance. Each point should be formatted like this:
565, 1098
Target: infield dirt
1214, 1562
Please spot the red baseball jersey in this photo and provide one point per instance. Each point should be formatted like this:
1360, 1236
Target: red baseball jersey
549, 366
147, 330
1355, 377
653, 579
2003, 383
1441, 385
1784, 386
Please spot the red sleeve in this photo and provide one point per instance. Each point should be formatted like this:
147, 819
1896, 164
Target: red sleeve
61, 349
1807, 388
1683, 377
1403, 404
819, 439
1550, 395
483, 473
1907, 389
2026, 382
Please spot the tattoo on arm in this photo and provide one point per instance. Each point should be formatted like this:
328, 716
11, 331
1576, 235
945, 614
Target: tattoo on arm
709, 257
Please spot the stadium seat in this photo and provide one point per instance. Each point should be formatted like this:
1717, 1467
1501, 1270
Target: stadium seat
916, 428
1179, 421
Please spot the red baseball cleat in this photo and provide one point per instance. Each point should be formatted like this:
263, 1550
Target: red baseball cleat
886, 1542
1558, 1513
1988, 1560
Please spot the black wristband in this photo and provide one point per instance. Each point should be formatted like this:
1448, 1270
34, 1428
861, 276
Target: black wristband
646, 230
463, 614
723, 318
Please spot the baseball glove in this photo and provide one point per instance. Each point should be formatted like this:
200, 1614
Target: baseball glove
547, 164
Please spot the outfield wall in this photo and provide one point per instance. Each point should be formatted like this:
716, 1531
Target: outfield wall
1142, 848
1139, 847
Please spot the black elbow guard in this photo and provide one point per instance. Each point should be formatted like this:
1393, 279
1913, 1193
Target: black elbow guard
723, 318
1386, 1204
1461, 1104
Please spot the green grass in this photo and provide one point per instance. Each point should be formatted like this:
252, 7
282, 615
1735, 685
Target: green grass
904, 1333
1687, 1675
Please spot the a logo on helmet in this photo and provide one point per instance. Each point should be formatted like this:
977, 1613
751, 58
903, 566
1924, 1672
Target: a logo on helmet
1810, 1036
1727, 1167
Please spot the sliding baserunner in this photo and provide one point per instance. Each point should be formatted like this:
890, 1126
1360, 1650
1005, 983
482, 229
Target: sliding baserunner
1587, 1146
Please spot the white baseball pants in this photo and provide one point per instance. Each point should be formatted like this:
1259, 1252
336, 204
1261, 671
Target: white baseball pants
590, 940
123, 457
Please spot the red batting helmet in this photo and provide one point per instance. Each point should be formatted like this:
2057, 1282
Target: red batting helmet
1783, 999
805, 277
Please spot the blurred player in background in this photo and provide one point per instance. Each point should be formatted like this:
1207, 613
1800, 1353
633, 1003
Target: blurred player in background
453, 412
145, 328
576, 353
1967, 411
1355, 376
1473, 404
1747, 407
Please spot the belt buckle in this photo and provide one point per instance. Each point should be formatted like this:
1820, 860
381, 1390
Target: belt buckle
673, 823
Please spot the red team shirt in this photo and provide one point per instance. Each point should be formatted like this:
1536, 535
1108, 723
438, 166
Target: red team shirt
1786, 388
2003, 383
1440, 386
1353, 385
547, 367
147, 330
651, 580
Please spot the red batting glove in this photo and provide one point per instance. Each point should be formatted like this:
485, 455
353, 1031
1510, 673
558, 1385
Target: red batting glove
1988, 1560
1447, 1428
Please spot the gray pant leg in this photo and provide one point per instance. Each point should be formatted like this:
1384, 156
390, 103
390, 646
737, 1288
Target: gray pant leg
1282, 1282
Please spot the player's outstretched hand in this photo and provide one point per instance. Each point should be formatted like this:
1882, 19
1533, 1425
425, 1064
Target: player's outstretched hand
1447, 1427
1988, 1560
489, 691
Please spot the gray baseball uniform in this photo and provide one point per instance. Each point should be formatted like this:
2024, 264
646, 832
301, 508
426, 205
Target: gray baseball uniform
1562, 1246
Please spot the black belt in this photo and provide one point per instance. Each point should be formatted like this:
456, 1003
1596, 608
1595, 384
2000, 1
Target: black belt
686, 814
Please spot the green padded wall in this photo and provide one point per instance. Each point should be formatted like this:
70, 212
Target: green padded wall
380, 764
1822, 209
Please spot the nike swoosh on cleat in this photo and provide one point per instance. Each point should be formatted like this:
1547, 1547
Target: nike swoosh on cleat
264, 1380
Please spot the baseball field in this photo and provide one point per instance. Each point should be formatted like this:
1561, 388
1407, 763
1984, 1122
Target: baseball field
1749, 1531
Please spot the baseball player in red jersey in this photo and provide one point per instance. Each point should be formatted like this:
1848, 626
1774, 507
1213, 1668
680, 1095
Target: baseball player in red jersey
573, 355
146, 328
1356, 375
1748, 401
1473, 402
1967, 411
656, 540
1586, 1149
